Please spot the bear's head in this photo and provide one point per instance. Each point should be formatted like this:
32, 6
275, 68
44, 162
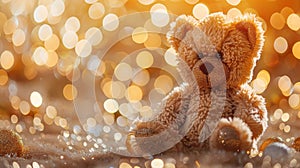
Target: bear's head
218, 50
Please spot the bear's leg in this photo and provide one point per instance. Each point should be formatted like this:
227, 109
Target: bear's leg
248, 119
164, 127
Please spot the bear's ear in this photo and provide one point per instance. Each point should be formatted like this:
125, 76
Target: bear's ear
249, 30
179, 28
241, 48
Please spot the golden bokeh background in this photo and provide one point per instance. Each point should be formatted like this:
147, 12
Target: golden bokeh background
44, 42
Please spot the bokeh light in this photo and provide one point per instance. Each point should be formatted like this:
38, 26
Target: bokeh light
110, 22
94, 36
233, 2
277, 21
111, 105
146, 2
144, 59
18, 37
139, 35
52, 43
45, 32
72, 24
133, 93
83, 48
3, 77
40, 13
6, 60
200, 11
164, 82
170, 57
296, 50
36, 99
96, 11
280, 45
69, 92
40, 56
123, 72
293, 21
70, 39
46, 47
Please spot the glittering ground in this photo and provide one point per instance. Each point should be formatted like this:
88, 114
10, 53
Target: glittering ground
48, 46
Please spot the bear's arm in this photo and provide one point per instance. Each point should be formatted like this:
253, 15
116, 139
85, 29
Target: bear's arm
168, 122
252, 110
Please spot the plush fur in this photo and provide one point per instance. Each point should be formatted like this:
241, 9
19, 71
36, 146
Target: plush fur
10, 143
216, 109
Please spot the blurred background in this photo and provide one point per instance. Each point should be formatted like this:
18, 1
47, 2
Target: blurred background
48, 45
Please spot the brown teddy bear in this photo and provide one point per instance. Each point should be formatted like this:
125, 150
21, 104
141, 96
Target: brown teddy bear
217, 109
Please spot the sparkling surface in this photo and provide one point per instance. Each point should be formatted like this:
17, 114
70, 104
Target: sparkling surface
43, 43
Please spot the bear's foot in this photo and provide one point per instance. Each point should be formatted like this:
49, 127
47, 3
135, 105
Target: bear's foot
231, 135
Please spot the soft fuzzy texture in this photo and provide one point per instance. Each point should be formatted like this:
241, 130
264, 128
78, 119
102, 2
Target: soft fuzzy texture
220, 56
10, 143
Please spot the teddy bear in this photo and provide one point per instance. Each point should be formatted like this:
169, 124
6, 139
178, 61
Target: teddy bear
216, 108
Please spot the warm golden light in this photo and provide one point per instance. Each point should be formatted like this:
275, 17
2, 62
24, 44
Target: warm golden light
284, 83
141, 78
94, 36
109, 119
7, 60
3, 77
233, 2
117, 89
294, 101
96, 11
153, 41
48, 47
57, 8
72, 24
123, 72
233, 12
70, 92
40, 56
157, 163
280, 45
45, 32
18, 37
296, 50
36, 99
293, 21
159, 15
40, 13
200, 11
70, 39
192, 2
111, 105
277, 21
9, 26
51, 112
258, 85
264, 75
52, 43
164, 82
52, 59
110, 22
134, 93
139, 35
144, 59
170, 57
83, 48
146, 2
24, 107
